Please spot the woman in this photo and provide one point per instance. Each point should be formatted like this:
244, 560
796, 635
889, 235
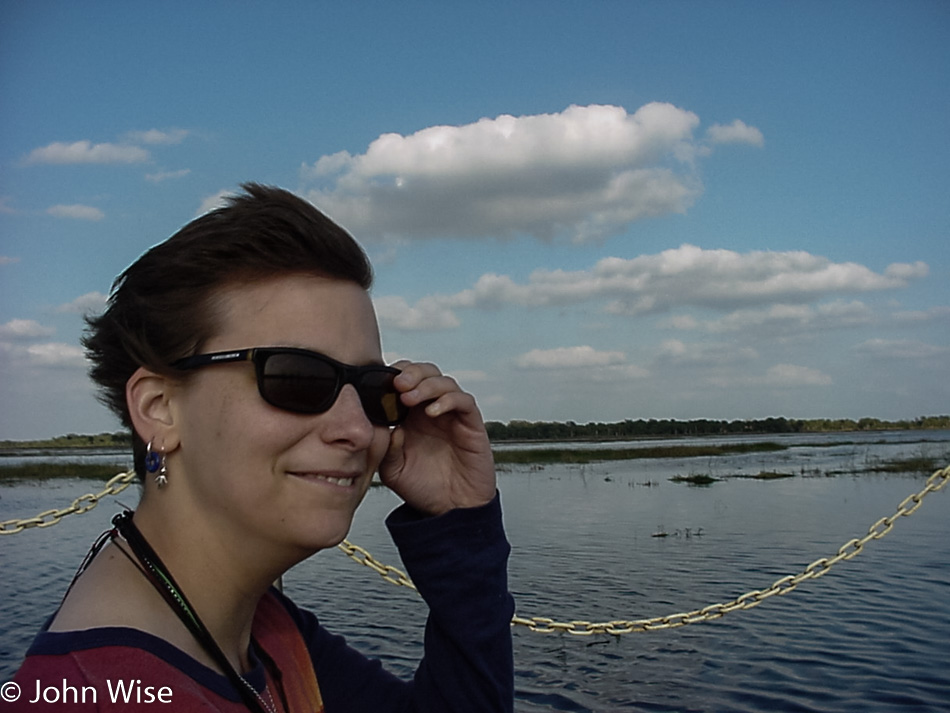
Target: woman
245, 357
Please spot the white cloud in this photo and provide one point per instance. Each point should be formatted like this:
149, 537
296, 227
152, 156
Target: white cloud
89, 303
688, 276
5, 207
7, 260
19, 346
794, 318
905, 271
156, 136
76, 212
569, 358
87, 152
24, 329
167, 175
738, 132
469, 376
787, 375
779, 376
55, 354
684, 277
684, 322
674, 351
584, 173
902, 349
428, 314
925, 315
213, 202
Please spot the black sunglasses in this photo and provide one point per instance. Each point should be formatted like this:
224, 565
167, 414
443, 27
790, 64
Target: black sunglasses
303, 381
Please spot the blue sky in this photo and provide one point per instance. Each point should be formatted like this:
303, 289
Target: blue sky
585, 211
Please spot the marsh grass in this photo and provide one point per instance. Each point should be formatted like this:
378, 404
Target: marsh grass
695, 479
914, 464
538, 458
582, 456
47, 471
767, 475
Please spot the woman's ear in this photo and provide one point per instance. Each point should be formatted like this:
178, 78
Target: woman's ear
148, 396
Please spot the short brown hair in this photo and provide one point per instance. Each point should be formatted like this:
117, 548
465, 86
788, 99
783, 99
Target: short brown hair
160, 308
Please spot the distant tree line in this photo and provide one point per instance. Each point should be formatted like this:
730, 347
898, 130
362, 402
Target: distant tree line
569, 430
653, 428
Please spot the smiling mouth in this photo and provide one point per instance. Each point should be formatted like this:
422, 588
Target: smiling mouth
342, 481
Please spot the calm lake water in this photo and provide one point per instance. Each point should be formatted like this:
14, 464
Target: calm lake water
870, 636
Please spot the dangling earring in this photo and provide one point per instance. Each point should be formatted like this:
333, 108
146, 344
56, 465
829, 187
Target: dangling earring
155, 463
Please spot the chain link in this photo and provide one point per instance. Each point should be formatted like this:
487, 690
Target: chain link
780, 587
544, 625
391, 574
84, 503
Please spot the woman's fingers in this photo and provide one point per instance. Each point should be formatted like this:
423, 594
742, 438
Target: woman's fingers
421, 383
440, 458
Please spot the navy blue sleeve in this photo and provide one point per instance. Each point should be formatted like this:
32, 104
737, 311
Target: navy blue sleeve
459, 562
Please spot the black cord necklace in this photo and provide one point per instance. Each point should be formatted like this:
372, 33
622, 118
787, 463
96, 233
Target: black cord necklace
158, 574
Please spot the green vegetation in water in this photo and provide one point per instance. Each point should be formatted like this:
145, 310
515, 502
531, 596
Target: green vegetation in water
914, 464
767, 475
706, 479
119, 439
581, 456
46, 471
696, 479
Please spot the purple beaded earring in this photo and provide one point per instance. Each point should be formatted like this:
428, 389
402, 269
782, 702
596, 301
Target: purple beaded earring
155, 463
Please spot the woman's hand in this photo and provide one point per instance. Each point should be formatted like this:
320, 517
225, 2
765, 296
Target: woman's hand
439, 458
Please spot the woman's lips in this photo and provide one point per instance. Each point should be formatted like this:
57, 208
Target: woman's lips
341, 480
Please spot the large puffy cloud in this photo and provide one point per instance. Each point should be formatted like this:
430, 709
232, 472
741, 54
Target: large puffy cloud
584, 173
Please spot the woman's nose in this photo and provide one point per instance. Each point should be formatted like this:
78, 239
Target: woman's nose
346, 422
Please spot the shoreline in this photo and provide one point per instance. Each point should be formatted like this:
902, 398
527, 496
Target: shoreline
517, 432
510, 458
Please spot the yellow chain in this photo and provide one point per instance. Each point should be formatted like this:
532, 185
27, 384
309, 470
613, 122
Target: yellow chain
391, 574
780, 587
544, 625
84, 503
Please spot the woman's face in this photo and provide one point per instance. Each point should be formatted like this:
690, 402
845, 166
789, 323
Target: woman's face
257, 471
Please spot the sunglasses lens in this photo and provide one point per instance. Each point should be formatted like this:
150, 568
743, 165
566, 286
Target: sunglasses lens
299, 383
309, 384
380, 399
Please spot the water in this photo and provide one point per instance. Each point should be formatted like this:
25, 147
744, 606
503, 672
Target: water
868, 637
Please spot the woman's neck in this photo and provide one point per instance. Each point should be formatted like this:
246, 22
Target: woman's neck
222, 575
